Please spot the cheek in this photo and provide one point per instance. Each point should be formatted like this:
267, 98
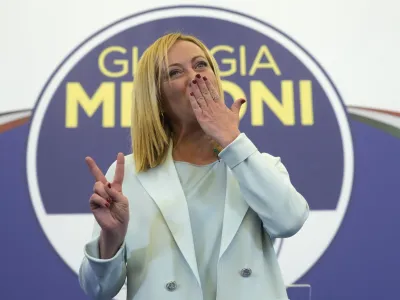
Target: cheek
211, 77
173, 91
175, 95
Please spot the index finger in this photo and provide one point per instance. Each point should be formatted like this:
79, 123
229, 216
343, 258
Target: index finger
95, 170
201, 82
119, 172
211, 88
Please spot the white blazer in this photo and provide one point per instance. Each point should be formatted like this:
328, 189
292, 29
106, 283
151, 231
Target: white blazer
157, 258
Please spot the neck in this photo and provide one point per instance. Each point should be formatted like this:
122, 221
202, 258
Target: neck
191, 144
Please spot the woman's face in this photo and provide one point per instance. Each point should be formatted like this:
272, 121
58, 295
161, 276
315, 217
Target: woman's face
185, 60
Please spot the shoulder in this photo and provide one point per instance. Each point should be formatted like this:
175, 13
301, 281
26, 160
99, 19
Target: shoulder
129, 161
129, 166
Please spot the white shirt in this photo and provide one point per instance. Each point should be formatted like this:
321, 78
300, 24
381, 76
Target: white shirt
205, 188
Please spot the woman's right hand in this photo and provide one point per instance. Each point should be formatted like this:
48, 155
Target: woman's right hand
109, 206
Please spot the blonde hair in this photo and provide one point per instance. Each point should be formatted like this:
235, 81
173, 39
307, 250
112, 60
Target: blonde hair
150, 133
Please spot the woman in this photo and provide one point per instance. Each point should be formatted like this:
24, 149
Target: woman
193, 212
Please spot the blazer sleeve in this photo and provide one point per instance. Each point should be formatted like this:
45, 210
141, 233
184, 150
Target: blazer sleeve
102, 278
266, 187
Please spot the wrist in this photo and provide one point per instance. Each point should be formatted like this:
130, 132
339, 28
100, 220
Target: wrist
109, 244
228, 139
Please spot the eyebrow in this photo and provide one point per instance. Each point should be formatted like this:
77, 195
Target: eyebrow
192, 60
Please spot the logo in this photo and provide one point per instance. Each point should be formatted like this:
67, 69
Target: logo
293, 111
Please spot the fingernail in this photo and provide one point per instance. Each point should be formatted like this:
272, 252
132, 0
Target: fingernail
194, 81
109, 200
205, 78
108, 204
242, 101
191, 94
198, 76
109, 185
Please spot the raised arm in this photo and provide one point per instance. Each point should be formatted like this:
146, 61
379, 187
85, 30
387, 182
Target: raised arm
103, 269
266, 186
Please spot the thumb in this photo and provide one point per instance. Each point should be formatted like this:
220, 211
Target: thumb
237, 105
113, 193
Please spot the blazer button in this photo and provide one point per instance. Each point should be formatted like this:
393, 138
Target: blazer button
245, 272
171, 286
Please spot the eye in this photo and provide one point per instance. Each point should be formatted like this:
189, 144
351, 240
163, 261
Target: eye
201, 64
173, 73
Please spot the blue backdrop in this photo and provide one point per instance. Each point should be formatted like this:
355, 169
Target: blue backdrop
360, 263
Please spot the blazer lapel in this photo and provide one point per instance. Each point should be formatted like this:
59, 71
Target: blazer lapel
235, 209
163, 185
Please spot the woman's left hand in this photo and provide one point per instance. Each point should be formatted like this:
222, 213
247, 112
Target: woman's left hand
214, 117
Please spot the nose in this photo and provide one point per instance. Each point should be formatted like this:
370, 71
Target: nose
191, 75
